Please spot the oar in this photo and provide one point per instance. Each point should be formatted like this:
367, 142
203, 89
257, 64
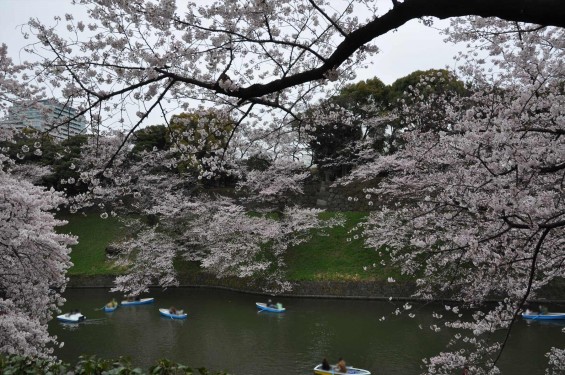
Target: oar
88, 321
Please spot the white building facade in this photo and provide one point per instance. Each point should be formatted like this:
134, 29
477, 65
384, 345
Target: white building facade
60, 120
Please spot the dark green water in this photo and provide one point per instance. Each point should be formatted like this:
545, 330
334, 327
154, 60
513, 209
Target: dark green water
224, 331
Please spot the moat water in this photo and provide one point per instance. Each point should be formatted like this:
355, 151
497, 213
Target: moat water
225, 331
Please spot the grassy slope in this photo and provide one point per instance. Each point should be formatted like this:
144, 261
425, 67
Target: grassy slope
95, 233
337, 255
328, 256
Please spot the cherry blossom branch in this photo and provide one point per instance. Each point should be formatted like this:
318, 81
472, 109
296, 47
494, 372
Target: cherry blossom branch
328, 18
139, 122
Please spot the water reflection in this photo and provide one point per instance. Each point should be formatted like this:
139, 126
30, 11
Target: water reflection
553, 323
69, 326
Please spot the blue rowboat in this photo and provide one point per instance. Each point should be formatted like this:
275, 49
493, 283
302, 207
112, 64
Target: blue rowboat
71, 318
546, 316
142, 301
178, 315
263, 307
350, 370
110, 309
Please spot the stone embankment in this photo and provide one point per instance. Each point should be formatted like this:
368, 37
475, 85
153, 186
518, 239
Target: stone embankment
374, 290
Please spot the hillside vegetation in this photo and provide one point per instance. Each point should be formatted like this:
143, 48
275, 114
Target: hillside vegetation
332, 254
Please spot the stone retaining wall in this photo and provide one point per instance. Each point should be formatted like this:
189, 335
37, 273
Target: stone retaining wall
337, 198
377, 290
323, 195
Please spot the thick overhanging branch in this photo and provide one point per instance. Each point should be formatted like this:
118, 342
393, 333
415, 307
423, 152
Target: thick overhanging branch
543, 12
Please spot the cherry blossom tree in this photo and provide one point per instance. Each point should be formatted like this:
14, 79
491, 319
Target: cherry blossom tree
34, 262
475, 211
221, 235
144, 54
34, 257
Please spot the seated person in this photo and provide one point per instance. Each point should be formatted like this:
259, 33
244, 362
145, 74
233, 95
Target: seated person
341, 366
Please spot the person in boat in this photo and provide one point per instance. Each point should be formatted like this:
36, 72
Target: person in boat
341, 367
325, 365
542, 309
270, 303
172, 310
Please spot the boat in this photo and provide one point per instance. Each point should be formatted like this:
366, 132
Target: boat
332, 371
111, 306
263, 307
546, 316
72, 317
178, 315
141, 301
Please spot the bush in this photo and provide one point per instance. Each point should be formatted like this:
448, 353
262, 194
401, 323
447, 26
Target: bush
91, 365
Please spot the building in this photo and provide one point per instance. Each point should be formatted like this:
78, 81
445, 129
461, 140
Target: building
60, 120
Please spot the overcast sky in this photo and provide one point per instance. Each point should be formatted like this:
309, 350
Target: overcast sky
412, 47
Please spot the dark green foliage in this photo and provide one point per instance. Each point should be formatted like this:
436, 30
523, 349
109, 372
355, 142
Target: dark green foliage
359, 94
205, 136
436, 88
257, 163
63, 160
333, 148
91, 365
444, 82
23, 148
154, 137
31, 147
167, 367
336, 145
19, 365
367, 99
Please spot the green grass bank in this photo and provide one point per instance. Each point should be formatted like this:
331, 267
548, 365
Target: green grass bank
333, 254
331, 264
